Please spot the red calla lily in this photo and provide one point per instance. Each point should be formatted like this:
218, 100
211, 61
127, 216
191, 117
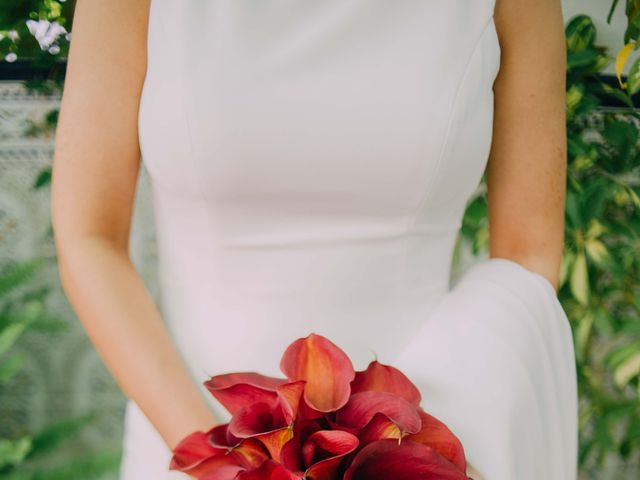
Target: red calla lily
362, 407
190, 456
193, 450
327, 370
324, 421
388, 459
269, 470
437, 435
379, 428
290, 395
386, 378
324, 450
236, 390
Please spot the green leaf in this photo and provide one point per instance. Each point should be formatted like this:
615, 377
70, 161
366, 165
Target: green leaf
13, 452
597, 251
18, 274
56, 433
580, 33
583, 335
583, 58
567, 261
634, 197
10, 334
43, 179
627, 370
595, 229
574, 216
91, 466
622, 135
619, 355
579, 281
633, 78
10, 366
50, 325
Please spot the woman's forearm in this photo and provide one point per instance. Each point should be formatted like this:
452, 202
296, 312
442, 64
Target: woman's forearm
126, 328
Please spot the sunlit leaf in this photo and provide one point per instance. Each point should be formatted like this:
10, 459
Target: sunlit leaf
633, 79
627, 370
583, 334
621, 60
579, 281
597, 251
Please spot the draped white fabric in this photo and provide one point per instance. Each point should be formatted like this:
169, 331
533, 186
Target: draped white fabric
495, 361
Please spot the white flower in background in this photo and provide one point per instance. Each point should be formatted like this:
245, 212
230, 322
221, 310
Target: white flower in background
13, 34
11, 57
45, 32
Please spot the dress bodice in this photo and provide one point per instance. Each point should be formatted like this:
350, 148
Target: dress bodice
310, 164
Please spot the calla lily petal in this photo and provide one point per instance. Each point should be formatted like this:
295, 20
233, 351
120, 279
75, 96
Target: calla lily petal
236, 390
290, 395
307, 412
333, 425
327, 370
323, 451
274, 441
217, 468
250, 453
380, 427
438, 436
269, 470
193, 450
386, 378
386, 459
256, 418
362, 406
291, 453
219, 437
263, 422
191, 457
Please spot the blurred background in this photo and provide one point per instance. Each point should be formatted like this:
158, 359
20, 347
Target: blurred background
60, 410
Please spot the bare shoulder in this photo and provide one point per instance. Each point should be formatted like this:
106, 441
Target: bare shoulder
108, 37
96, 158
109, 30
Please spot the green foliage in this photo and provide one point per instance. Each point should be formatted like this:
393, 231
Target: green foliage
22, 309
17, 41
602, 257
88, 467
600, 276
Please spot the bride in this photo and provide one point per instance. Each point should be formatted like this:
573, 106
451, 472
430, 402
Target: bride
310, 162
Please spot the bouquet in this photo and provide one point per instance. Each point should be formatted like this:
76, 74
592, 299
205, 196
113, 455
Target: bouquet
324, 421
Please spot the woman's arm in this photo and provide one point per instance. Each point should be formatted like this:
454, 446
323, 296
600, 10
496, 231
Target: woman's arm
526, 172
95, 169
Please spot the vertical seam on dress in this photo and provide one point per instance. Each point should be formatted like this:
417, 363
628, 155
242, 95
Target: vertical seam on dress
436, 172
192, 159
183, 104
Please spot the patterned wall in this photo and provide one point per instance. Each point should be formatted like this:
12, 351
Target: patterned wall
63, 375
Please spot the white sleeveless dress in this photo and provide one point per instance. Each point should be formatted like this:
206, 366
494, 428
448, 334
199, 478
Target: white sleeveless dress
310, 163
